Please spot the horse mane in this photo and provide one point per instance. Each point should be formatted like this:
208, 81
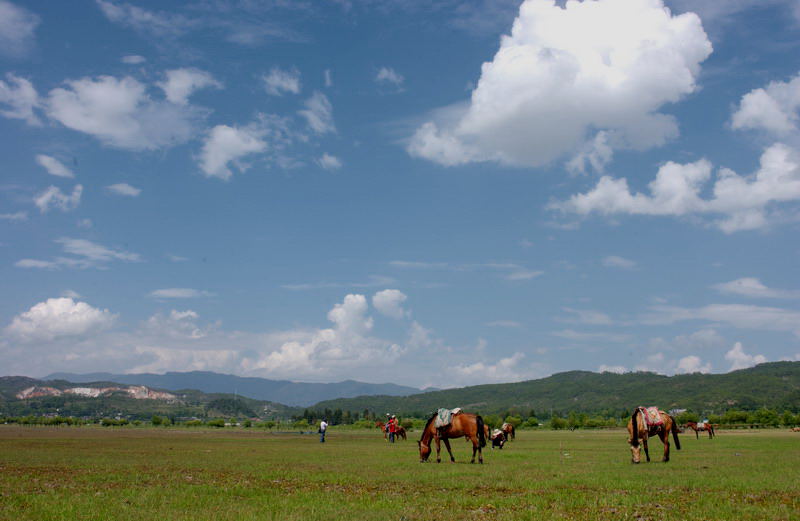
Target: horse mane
425, 429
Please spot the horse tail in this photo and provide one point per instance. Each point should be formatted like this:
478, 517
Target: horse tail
481, 435
634, 429
675, 433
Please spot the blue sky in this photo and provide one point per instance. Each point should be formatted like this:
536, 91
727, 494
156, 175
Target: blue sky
441, 193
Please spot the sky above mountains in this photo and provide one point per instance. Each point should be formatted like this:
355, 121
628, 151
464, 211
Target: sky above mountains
427, 193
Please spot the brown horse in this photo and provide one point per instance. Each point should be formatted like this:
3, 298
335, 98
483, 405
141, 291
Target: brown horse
382, 426
400, 433
638, 429
509, 431
707, 427
469, 426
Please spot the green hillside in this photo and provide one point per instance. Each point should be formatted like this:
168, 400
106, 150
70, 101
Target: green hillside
188, 403
775, 385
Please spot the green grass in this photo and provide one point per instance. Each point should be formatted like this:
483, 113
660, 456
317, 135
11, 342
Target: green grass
174, 474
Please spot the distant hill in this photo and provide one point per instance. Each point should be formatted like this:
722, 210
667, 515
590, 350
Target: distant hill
281, 391
21, 396
774, 385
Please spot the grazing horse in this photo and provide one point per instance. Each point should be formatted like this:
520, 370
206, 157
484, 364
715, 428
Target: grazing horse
639, 429
508, 430
469, 426
698, 428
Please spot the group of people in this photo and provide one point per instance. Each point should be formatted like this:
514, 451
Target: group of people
392, 427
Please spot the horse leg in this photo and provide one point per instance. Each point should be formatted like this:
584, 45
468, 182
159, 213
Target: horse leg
438, 450
665, 440
480, 450
447, 444
646, 452
696, 433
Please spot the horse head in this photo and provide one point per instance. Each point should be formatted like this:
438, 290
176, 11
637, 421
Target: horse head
424, 451
636, 453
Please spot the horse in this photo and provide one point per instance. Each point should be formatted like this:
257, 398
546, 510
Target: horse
470, 426
700, 428
400, 433
509, 431
638, 429
382, 426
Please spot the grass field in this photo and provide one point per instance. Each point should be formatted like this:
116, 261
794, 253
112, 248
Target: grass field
165, 474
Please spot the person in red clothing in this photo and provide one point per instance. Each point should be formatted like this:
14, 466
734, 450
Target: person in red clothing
392, 426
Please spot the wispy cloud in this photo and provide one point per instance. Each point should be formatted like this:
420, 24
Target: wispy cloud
752, 287
613, 261
372, 281
179, 293
85, 254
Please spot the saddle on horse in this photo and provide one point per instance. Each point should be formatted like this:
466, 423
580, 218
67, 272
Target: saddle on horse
444, 417
652, 416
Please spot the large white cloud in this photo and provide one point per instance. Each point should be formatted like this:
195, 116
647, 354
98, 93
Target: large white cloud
17, 29
564, 75
120, 113
738, 202
58, 317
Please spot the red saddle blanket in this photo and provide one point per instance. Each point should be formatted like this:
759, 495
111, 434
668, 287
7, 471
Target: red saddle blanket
652, 416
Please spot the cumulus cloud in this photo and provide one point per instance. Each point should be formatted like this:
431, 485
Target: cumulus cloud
347, 344
738, 202
53, 197
741, 360
319, 113
19, 98
124, 189
752, 287
225, 144
174, 293
279, 81
53, 166
389, 302
619, 369
179, 84
564, 75
329, 162
504, 370
58, 317
120, 113
692, 364
17, 30
772, 109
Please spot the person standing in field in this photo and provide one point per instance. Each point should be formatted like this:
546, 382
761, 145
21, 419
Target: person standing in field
392, 428
323, 426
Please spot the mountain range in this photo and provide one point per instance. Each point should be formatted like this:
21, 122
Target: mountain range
296, 394
774, 385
